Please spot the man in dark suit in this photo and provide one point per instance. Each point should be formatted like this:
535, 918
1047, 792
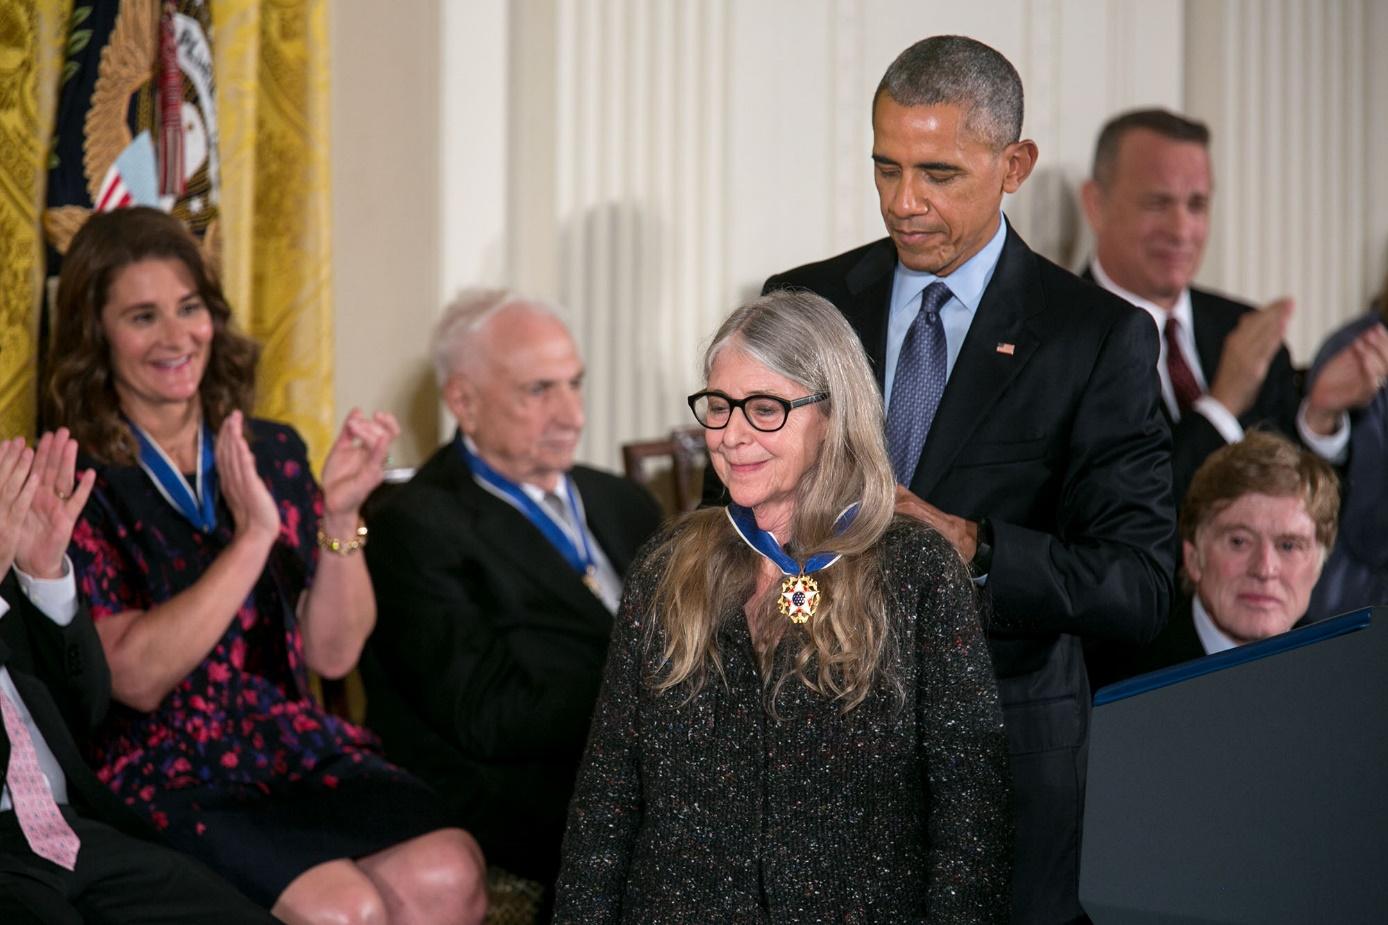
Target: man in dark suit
69, 849
497, 570
1256, 527
1046, 463
1223, 366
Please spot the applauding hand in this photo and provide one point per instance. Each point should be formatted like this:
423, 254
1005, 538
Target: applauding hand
1349, 379
1247, 355
253, 508
16, 496
355, 465
58, 499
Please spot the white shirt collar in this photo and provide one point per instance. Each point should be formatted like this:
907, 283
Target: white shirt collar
1212, 638
1181, 311
966, 283
533, 492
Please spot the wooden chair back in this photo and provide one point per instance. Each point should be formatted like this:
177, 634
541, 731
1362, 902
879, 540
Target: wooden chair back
671, 467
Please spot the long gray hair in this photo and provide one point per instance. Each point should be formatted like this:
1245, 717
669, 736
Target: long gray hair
711, 574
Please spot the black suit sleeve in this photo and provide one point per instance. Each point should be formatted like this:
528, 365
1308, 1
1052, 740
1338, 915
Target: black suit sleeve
1104, 571
1193, 439
68, 659
441, 637
606, 810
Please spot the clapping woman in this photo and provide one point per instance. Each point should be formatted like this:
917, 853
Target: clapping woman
220, 574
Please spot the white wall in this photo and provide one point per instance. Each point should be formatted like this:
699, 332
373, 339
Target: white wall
648, 163
386, 181
1296, 92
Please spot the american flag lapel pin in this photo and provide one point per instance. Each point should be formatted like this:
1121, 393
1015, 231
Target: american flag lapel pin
1006, 349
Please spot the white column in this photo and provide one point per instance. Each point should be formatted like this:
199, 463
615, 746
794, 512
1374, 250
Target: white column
1296, 94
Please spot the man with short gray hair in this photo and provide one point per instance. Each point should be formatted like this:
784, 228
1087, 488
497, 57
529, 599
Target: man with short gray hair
497, 569
1022, 420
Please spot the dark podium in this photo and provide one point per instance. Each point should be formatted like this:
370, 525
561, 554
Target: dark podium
1247, 786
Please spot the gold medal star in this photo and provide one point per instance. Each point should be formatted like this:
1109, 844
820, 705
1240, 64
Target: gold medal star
799, 598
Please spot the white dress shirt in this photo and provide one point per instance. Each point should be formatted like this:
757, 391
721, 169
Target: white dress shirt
966, 285
1212, 638
1333, 448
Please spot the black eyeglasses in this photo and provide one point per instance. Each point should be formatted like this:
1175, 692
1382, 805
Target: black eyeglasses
766, 413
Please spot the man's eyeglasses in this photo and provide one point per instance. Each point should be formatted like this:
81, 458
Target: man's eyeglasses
766, 413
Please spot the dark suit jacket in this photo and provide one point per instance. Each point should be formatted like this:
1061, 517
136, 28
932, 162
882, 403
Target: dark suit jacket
1194, 438
488, 649
1177, 643
1059, 442
1356, 574
61, 673
1274, 407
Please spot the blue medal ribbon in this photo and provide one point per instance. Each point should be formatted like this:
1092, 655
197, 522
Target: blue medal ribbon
765, 542
580, 557
197, 503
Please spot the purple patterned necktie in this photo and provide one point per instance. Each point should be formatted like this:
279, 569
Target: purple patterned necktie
40, 820
1183, 382
921, 370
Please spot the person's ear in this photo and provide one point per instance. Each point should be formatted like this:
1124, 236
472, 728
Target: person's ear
1192, 563
1019, 160
1092, 198
461, 398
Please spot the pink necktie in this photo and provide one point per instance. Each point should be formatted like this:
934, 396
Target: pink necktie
39, 818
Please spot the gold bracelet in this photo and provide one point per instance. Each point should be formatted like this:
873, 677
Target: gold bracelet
340, 547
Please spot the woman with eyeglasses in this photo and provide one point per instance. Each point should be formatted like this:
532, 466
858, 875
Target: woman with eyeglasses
798, 720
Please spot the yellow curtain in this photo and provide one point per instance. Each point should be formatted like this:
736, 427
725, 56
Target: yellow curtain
272, 103
28, 93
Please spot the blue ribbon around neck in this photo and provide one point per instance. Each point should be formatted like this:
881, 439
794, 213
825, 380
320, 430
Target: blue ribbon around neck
198, 502
580, 557
765, 542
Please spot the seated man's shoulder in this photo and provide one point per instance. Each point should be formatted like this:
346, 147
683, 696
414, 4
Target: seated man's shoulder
1205, 302
871, 260
414, 500
636, 504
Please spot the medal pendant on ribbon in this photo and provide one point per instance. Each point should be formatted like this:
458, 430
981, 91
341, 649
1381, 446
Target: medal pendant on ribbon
799, 598
590, 580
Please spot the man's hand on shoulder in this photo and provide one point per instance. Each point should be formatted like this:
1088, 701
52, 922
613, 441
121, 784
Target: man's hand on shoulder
1247, 354
962, 534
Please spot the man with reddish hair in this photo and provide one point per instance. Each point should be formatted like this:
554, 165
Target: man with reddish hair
1256, 527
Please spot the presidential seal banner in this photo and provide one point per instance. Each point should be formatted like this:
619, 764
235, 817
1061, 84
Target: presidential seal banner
142, 89
32, 33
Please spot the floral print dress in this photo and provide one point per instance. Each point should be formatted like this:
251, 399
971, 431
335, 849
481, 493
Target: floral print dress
240, 731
